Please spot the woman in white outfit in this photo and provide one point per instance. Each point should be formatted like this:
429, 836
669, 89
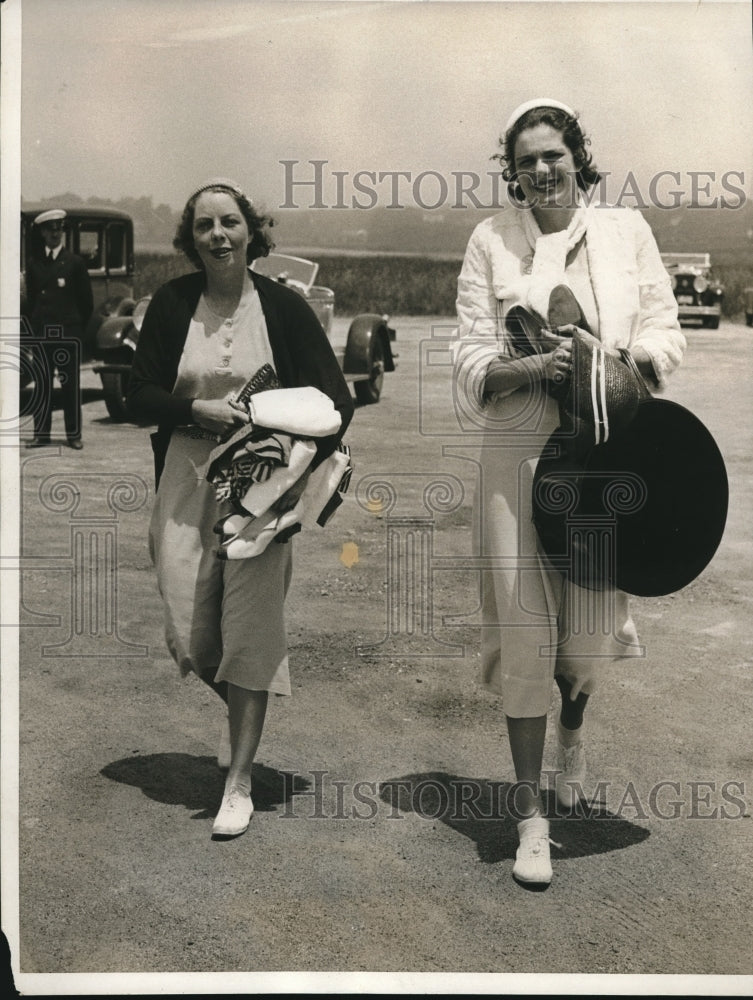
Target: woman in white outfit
554, 233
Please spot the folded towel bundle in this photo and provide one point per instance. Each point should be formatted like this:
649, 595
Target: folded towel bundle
263, 461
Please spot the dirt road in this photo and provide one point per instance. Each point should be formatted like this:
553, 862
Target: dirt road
378, 843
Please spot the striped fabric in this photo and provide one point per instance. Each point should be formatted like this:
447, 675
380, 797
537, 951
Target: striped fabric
599, 397
254, 463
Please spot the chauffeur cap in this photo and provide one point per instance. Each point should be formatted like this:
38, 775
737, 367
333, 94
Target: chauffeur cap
50, 215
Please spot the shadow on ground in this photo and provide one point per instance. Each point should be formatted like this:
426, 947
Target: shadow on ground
197, 783
480, 809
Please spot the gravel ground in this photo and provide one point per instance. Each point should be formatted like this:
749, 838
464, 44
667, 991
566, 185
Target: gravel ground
378, 845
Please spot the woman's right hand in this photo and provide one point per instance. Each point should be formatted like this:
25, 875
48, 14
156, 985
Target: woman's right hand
218, 415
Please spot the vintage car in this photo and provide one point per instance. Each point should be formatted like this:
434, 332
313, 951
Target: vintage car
364, 359
698, 294
367, 353
104, 238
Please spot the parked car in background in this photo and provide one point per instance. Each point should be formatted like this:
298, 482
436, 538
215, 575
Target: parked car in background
367, 354
364, 359
749, 306
103, 237
699, 295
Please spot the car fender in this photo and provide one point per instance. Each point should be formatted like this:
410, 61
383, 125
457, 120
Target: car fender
122, 305
363, 330
116, 333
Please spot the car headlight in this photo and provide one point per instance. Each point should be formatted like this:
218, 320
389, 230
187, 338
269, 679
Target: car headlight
673, 281
700, 284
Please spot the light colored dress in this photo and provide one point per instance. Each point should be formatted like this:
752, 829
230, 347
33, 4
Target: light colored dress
534, 622
223, 619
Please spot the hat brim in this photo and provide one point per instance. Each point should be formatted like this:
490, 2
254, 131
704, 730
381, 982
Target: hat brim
644, 512
52, 215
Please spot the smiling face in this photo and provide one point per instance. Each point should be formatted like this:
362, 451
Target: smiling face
545, 168
220, 232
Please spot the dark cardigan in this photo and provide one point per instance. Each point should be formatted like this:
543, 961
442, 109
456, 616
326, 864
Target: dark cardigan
300, 348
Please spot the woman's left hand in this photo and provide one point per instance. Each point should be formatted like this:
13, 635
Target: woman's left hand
568, 330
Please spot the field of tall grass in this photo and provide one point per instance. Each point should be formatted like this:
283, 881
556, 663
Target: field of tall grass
401, 285
736, 278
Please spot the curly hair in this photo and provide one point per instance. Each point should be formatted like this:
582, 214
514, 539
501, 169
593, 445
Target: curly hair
260, 244
572, 135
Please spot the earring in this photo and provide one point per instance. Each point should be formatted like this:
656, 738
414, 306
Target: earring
516, 196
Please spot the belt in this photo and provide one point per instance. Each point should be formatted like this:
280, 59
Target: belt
194, 431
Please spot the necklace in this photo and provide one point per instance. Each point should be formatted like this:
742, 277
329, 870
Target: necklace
224, 309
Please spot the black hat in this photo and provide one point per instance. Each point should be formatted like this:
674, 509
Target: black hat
599, 399
602, 393
644, 509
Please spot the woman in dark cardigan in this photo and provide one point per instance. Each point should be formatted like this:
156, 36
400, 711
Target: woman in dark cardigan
203, 336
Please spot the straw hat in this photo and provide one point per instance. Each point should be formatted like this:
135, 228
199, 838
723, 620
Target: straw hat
630, 490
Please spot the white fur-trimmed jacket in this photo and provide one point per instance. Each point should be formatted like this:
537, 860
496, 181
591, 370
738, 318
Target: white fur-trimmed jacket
631, 287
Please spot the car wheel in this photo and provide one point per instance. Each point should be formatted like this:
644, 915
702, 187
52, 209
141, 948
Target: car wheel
711, 323
115, 386
370, 390
749, 319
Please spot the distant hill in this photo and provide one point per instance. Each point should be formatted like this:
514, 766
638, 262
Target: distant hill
725, 233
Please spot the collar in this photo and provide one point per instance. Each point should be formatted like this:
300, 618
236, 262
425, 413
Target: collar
550, 255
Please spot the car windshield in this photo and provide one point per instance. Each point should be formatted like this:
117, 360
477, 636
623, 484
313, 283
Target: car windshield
282, 267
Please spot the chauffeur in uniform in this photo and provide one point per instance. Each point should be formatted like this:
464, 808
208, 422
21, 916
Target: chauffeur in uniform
59, 303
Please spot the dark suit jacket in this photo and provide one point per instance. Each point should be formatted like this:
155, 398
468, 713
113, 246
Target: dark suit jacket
302, 356
58, 293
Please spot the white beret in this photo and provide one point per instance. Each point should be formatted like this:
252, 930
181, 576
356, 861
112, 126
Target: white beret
51, 215
537, 102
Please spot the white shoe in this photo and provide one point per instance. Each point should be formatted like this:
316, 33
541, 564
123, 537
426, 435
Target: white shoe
224, 753
571, 773
532, 861
235, 813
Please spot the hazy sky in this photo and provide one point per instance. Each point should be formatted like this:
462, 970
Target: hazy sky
149, 97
